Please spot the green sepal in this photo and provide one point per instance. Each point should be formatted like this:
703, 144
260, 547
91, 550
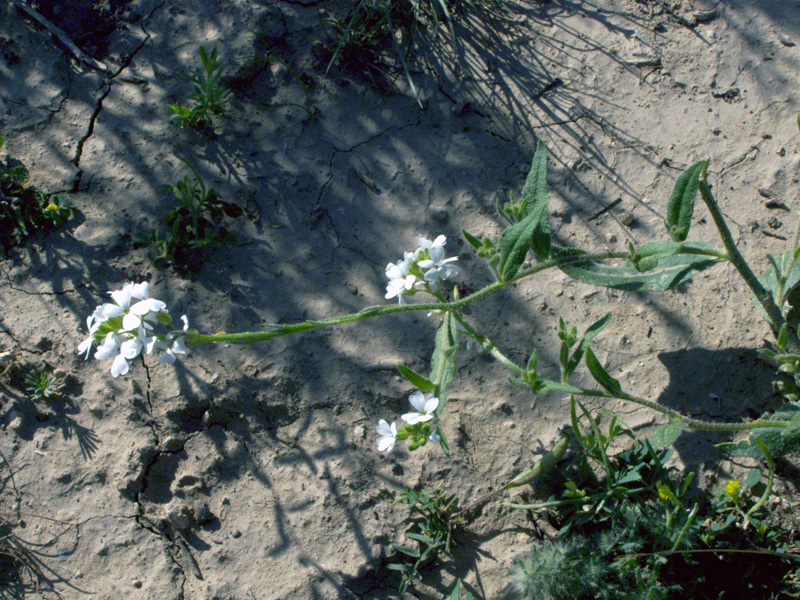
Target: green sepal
474, 242
681, 203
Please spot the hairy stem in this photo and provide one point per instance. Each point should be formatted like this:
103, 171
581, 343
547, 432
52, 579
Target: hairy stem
250, 337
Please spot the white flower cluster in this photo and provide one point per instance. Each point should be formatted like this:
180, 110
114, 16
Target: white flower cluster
420, 270
124, 327
424, 410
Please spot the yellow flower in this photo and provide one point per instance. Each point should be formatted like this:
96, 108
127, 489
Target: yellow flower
732, 489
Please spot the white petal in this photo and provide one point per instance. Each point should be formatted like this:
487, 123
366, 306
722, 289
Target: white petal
122, 297
417, 400
111, 310
384, 428
131, 322
107, 348
167, 357
120, 366
85, 346
185, 320
431, 404
385, 444
140, 290
130, 349
146, 306
414, 418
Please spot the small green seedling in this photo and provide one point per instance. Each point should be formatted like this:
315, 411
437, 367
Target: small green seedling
431, 531
209, 98
41, 385
192, 225
23, 209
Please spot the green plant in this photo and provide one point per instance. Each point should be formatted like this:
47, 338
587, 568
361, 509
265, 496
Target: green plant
639, 518
431, 531
25, 210
41, 385
374, 25
192, 225
209, 97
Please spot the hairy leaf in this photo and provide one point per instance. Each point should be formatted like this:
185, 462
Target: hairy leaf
600, 374
669, 271
681, 204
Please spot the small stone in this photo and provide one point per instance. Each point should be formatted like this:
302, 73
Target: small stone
774, 223
509, 425
236, 534
352, 289
59, 373
172, 444
137, 584
17, 421
627, 219
177, 517
201, 512
359, 432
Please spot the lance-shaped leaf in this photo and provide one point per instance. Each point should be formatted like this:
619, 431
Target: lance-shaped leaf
681, 204
590, 334
601, 375
416, 380
667, 273
533, 231
443, 362
537, 199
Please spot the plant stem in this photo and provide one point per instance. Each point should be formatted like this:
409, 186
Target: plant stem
762, 294
250, 337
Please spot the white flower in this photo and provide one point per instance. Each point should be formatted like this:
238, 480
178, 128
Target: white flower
388, 436
434, 437
133, 304
400, 281
436, 266
92, 324
425, 407
110, 347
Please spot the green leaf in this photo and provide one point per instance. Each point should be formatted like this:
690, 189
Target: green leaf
779, 441
601, 375
416, 380
532, 232
443, 362
475, 242
770, 279
420, 538
669, 272
590, 334
398, 567
406, 550
536, 197
666, 435
681, 204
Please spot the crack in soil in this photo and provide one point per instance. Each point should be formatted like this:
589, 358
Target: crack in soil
318, 209
99, 107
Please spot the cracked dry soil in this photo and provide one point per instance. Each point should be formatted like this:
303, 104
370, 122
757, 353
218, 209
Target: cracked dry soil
252, 472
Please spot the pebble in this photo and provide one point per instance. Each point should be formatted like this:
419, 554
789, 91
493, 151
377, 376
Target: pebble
201, 512
177, 517
359, 432
627, 219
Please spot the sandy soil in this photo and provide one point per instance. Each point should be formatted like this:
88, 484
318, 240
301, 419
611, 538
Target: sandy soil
265, 456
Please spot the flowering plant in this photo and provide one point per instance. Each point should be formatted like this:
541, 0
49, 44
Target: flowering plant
124, 328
